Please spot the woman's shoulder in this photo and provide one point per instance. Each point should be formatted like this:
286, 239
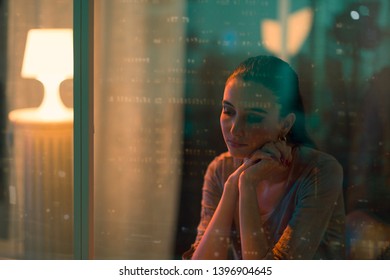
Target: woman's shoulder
316, 174
218, 169
312, 160
316, 157
225, 158
224, 162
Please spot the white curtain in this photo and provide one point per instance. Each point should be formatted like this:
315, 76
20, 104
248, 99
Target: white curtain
139, 52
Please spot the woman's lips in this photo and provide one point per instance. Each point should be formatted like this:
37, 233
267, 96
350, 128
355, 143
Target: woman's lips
235, 144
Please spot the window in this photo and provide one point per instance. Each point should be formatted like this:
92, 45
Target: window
36, 186
148, 82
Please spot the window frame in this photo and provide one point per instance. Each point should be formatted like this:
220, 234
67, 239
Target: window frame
83, 128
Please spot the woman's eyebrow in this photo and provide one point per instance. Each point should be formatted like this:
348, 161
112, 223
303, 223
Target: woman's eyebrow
253, 109
258, 110
224, 102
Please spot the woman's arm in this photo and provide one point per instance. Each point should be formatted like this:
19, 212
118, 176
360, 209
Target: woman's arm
254, 244
215, 241
320, 193
265, 172
216, 238
268, 177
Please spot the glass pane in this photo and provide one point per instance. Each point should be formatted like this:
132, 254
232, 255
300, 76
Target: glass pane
36, 125
138, 127
160, 72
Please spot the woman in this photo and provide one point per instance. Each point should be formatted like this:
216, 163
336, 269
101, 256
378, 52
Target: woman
272, 195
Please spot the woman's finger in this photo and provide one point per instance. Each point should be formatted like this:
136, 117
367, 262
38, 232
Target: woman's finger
256, 157
286, 152
271, 149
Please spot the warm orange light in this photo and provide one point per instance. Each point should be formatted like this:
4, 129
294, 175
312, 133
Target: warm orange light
49, 59
298, 27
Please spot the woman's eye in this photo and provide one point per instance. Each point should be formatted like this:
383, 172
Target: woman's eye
227, 111
254, 118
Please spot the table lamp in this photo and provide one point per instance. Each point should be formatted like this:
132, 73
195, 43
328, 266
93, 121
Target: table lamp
48, 58
42, 150
284, 37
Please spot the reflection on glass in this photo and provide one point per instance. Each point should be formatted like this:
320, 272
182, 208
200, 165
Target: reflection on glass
160, 68
37, 185
284, 38
139, 59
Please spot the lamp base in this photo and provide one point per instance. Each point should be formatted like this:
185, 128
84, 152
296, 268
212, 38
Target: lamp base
43, 180
31, 116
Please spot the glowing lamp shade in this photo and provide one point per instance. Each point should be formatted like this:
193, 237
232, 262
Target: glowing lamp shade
298, 26
48, 58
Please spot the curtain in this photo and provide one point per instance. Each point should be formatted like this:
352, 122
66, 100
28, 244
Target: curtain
139, 56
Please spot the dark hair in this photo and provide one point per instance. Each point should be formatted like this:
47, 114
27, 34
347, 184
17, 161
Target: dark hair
277, 76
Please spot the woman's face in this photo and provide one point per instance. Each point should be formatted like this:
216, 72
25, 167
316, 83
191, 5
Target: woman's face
249, 117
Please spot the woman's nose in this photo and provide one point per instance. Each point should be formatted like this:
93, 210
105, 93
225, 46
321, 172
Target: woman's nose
238, 127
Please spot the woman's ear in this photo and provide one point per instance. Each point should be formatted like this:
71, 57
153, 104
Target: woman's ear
287, 123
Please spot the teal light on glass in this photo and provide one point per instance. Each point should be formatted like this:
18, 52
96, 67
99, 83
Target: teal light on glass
83, 129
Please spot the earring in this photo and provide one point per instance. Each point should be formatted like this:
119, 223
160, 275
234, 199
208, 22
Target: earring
282, 138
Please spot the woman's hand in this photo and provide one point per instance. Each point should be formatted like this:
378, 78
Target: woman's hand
270, 163
261, 185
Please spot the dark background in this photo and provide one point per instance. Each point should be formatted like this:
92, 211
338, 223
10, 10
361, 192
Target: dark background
336, 85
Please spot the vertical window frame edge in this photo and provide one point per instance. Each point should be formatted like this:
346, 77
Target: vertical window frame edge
83, 128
